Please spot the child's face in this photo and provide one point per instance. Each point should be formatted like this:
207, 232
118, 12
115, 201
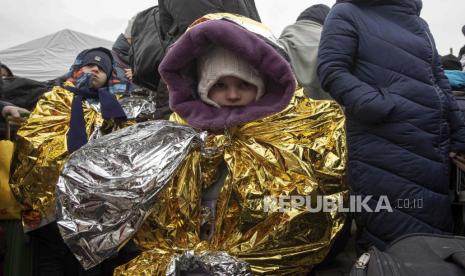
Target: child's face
99, 78
232, 91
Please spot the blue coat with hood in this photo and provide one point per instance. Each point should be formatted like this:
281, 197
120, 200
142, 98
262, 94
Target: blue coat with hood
378, 59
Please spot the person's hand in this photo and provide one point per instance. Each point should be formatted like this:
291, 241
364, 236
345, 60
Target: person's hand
128, 74
458, 159
13, 114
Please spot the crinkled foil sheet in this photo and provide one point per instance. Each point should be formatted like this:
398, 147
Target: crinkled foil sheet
139, 104
299, 151
41, 150
108, 187
208, 263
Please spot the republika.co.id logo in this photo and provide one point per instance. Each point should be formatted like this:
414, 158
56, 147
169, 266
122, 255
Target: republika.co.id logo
336, 203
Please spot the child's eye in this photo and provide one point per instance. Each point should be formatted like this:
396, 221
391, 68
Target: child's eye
219, 85
245, 84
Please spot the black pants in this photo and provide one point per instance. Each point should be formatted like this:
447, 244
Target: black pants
52, 257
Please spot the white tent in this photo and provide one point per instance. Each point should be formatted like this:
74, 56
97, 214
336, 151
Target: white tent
51, 56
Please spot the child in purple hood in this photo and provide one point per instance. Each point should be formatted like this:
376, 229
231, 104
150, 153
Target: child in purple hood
227, 80
213, 55
264, 140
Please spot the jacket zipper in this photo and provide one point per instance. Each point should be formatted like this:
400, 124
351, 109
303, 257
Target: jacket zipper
362, 261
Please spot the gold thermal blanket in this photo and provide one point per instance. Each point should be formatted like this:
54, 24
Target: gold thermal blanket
300, 151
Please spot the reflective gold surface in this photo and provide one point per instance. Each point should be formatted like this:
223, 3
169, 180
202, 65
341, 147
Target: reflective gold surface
299, 151
42, 151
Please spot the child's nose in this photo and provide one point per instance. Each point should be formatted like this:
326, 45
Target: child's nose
233, 94
94, 68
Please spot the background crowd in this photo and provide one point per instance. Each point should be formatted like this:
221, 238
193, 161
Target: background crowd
375, 62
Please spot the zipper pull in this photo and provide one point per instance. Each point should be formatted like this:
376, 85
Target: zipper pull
362, 261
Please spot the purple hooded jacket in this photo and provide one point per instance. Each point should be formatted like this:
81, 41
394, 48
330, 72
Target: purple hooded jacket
176, 71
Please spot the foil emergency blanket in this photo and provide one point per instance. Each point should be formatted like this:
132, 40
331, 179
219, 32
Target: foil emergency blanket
299, 151
42, 150
139, 104
211, 263
107, 187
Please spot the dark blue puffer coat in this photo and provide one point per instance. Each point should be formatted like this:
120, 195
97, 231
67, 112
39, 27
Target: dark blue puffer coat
378, 59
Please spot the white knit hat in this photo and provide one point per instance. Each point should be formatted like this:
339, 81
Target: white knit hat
219, 62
